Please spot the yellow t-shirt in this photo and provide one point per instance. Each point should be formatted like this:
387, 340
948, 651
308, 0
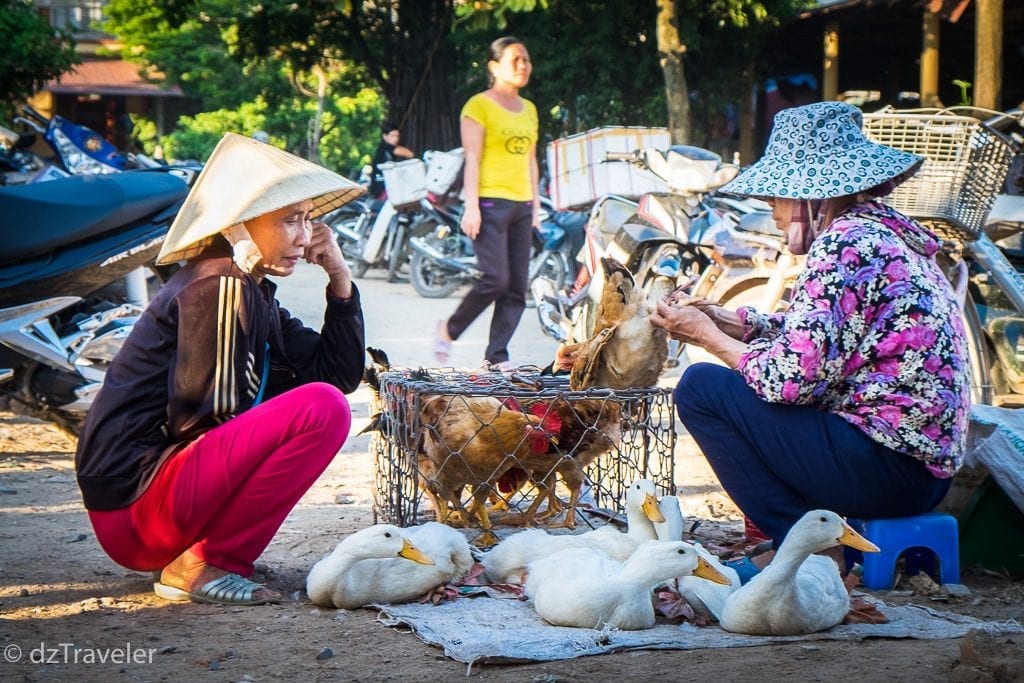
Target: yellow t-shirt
508, 139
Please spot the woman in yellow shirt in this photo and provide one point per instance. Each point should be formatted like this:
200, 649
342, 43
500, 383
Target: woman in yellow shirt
499, 136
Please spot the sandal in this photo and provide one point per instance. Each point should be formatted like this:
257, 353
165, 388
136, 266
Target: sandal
442, 346
230, 589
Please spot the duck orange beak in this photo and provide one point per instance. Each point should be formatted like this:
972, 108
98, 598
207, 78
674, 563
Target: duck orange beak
706, 570
411, 552
651, 509
855, 540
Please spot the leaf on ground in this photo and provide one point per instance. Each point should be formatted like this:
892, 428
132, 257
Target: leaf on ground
864, 612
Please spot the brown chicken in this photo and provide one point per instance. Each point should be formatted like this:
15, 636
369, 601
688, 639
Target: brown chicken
626, 350
472, 441
581, 431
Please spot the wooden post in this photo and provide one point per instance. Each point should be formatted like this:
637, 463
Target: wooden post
988, 54
830, 75
929, 88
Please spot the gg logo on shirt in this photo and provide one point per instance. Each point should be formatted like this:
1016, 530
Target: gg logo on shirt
517, 144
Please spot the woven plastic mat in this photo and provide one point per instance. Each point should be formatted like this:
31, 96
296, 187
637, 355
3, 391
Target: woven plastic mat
485, 630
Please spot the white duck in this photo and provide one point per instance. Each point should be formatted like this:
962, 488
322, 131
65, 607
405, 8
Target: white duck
387, 564
507, 561
707, 598
798, 592
584, 588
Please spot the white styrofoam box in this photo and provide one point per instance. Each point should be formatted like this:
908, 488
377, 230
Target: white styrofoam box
580, 174
443, 169
404, 181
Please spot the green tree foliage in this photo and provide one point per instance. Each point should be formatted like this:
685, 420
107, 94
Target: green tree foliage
603, 65
594, 64
404, 48
198, 45
33, 52
726, 42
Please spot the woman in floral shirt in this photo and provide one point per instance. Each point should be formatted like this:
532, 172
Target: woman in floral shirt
855, 399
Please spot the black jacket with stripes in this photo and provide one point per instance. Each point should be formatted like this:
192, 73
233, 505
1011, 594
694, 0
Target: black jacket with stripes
194, 360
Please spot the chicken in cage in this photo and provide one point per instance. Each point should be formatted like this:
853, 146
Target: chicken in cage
494, 449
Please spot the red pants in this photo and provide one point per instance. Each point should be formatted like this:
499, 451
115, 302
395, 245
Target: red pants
226, 494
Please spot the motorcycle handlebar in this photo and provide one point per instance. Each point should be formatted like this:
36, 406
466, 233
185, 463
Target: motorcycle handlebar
31, 124
31, 111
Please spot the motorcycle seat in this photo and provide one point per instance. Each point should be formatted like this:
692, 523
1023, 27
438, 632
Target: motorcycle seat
42, 217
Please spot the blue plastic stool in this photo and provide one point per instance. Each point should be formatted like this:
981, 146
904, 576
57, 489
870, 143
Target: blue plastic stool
933, 531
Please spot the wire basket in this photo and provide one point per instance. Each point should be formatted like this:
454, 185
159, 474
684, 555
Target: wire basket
404, 182
639, 424
964, 168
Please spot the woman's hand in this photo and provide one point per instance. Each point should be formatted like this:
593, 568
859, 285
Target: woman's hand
323, 251
471, 220
686, 323
724, 319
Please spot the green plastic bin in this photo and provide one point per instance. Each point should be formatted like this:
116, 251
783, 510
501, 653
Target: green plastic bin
992, 531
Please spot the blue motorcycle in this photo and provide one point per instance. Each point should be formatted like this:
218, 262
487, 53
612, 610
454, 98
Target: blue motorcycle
77, 149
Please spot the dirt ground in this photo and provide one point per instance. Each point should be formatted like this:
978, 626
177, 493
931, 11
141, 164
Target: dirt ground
59, 592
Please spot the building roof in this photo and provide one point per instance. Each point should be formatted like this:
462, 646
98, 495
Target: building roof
108, 77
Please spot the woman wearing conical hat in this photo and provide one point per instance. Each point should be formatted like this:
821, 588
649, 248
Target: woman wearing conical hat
221, 409
855, 399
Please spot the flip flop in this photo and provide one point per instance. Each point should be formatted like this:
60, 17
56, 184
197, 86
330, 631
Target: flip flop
230, 589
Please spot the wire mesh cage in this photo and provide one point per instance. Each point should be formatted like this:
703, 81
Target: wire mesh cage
965, 166
521, 445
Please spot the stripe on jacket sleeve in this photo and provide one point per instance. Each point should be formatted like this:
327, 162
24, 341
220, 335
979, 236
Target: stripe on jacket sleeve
225, 397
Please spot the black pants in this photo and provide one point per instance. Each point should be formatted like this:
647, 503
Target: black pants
779, 461
503, 253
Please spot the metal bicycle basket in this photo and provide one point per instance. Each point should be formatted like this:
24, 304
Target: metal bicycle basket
964, 168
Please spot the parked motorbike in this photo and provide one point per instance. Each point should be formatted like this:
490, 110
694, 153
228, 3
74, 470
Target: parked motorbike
443, 258
18, 164
77, 149
442, 255
664, 234
68, 245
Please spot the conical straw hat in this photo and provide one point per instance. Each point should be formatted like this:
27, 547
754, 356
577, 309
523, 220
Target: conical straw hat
243, 179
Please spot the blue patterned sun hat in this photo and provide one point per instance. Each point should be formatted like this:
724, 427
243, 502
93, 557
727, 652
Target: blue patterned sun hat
818, 151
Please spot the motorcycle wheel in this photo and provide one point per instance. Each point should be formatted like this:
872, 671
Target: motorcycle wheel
399, 253
20, 402
552, 265
430, 281
352, 251
984, 383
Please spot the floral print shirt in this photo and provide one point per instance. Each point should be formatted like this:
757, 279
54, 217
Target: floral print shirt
873, 334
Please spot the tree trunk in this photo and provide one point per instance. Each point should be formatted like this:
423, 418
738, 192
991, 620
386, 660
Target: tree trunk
418, 87
316, 123
670, 51
988, 51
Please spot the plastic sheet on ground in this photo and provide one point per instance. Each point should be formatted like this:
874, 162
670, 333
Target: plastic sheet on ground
486, 630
